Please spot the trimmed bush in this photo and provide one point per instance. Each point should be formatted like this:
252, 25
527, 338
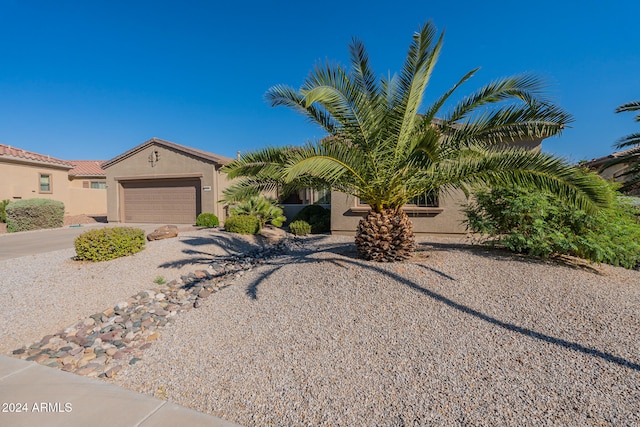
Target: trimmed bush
3, 212
108, 243
317, 217
206, 219
242, 224
34, 214
538, 224
300, 228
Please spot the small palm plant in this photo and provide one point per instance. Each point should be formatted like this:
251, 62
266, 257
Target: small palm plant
382, 151
262, 208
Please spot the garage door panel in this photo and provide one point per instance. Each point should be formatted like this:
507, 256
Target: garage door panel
161, 201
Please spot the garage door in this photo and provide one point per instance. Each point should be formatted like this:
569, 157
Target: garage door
161, 201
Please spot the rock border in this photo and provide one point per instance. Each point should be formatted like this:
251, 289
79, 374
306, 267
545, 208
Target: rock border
99, 345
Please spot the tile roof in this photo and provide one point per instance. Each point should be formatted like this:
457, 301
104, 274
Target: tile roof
9, 152
87, 168
221, 160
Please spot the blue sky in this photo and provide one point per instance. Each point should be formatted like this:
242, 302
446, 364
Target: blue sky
92, 79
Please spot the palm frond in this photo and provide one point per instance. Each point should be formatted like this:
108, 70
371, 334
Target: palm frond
630, 106
282, 95
529, 170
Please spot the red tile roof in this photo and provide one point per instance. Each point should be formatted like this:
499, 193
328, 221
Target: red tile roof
9, 152
87, 168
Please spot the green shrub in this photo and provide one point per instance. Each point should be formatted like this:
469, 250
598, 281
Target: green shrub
242, 224
300, 228
3, 212
266, 210
34, 214
207, 219
104, 244
317, 217
538, 224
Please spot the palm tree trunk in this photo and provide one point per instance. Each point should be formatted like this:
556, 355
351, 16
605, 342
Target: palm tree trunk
385, 236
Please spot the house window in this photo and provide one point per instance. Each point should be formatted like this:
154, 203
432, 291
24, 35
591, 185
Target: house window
45, 183
98, 185
307, 196
429, 199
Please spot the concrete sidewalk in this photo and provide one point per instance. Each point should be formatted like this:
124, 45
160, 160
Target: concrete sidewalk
35, 395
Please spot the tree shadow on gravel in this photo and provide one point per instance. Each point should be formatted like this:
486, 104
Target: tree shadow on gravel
343, 261
501, 254
230, 244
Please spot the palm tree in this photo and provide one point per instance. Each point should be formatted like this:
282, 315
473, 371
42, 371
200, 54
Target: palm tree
631, 155
381, 150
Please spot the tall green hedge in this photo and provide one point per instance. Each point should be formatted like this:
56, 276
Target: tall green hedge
34, 214
538, 224
317, 217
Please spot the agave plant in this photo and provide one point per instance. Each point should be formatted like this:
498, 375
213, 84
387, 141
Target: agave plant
381, 149
631, 155
262, 208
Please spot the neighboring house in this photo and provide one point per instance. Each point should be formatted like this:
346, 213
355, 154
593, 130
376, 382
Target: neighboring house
430, 214
163, 182
28, 175
88, 187
612, 172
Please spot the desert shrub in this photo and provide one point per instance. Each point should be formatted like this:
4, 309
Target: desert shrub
3, 212
207, 219
538, 224
104, 244
266, 210
242, 224
34, 214
317, 217
300, 228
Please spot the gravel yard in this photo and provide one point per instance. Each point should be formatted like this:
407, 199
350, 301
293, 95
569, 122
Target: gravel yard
456, 336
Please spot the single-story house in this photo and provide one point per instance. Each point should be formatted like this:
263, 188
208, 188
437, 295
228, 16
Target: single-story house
430, 214
612, 172
163, 182
27, 175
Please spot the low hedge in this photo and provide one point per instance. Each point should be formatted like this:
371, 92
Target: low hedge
104, 244
317, 217
34, 214
207, 219
242, 224
300, 228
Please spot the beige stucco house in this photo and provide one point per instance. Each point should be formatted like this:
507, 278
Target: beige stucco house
613, 172
163, 182
430, 215
27, 175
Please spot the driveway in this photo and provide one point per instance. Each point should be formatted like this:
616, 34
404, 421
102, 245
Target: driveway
14, 245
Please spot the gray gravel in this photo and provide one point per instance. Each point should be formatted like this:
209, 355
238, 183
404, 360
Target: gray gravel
41, 294
456, 336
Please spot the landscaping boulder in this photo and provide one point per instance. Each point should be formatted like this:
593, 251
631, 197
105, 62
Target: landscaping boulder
164, 232
273, 234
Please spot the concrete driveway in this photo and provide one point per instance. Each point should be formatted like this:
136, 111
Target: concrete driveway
14, 245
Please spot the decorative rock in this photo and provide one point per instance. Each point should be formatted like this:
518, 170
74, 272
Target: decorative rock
101, 344
273, 234
112, 371
164, 232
